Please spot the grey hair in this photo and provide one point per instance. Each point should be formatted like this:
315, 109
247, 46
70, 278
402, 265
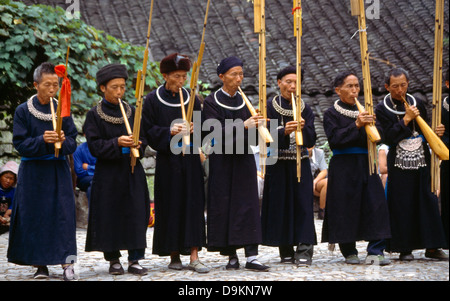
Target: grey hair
44, 68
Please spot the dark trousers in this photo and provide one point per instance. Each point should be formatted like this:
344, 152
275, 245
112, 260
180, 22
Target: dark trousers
375, 247
85, 185
250, 250
133, 255
303, 251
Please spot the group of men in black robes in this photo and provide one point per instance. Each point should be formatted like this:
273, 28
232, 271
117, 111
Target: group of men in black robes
356, 207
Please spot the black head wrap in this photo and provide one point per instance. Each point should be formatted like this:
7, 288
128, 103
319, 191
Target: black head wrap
111, 71
228, 63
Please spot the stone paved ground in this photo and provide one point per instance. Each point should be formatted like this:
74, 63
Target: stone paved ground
327, 266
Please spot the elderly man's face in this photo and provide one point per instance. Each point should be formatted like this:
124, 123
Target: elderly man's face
349, 90
114, 90
175, 80
47, 87
288, 85
398, 86
232, 79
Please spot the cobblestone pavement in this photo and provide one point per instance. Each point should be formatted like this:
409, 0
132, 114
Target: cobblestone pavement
327, 266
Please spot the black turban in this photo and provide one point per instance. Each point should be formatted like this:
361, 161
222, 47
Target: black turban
175, 62
228, 63
286, 71
111, 71
289, 70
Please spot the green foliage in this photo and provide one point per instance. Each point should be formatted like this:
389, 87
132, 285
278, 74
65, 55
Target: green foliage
31, 35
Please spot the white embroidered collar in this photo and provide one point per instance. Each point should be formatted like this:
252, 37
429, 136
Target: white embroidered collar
36, 113
445, 103
345, 112
172, 104
225, 106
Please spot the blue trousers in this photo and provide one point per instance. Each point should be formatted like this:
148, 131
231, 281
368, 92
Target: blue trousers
375, 247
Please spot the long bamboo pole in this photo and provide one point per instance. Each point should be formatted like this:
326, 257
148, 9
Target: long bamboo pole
140, 86
437, 89
298, 32
260, 29
359, 10
196, 68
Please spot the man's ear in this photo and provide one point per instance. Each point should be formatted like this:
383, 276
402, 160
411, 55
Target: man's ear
338, 90
103, 88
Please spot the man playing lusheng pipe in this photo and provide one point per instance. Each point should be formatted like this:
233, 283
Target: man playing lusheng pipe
356, 206
233, 203
413, 208
179, 186
287, 207
43, 216
119, 207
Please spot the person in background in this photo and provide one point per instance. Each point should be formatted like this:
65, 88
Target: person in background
8, 181
319, 169
84, 165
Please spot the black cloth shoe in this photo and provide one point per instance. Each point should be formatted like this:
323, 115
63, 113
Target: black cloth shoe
136, 269
41, 273
233, 266
287, 260
118, 270
255, 265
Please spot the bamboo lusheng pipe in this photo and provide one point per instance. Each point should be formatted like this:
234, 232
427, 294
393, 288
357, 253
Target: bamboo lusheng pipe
140, 85
260, 28
196, 68
437, 89
186, 136
357, 8
298, 32
436, 144
371, 129
263, 131
58, 112
52, 110
298, 132
134, 150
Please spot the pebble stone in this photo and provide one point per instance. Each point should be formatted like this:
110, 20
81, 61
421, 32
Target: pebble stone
327, 266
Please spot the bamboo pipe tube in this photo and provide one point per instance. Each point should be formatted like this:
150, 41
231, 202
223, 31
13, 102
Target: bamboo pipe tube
52, 109
134, 150
436, 144
371, 129
298, 132
186, 136
263, 131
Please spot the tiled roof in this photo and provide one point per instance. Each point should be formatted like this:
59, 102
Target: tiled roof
403, 35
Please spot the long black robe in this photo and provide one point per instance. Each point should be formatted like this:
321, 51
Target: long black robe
414, 212
119, 207
43, 220
356, 207
287, 215
233, 205
179, 184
